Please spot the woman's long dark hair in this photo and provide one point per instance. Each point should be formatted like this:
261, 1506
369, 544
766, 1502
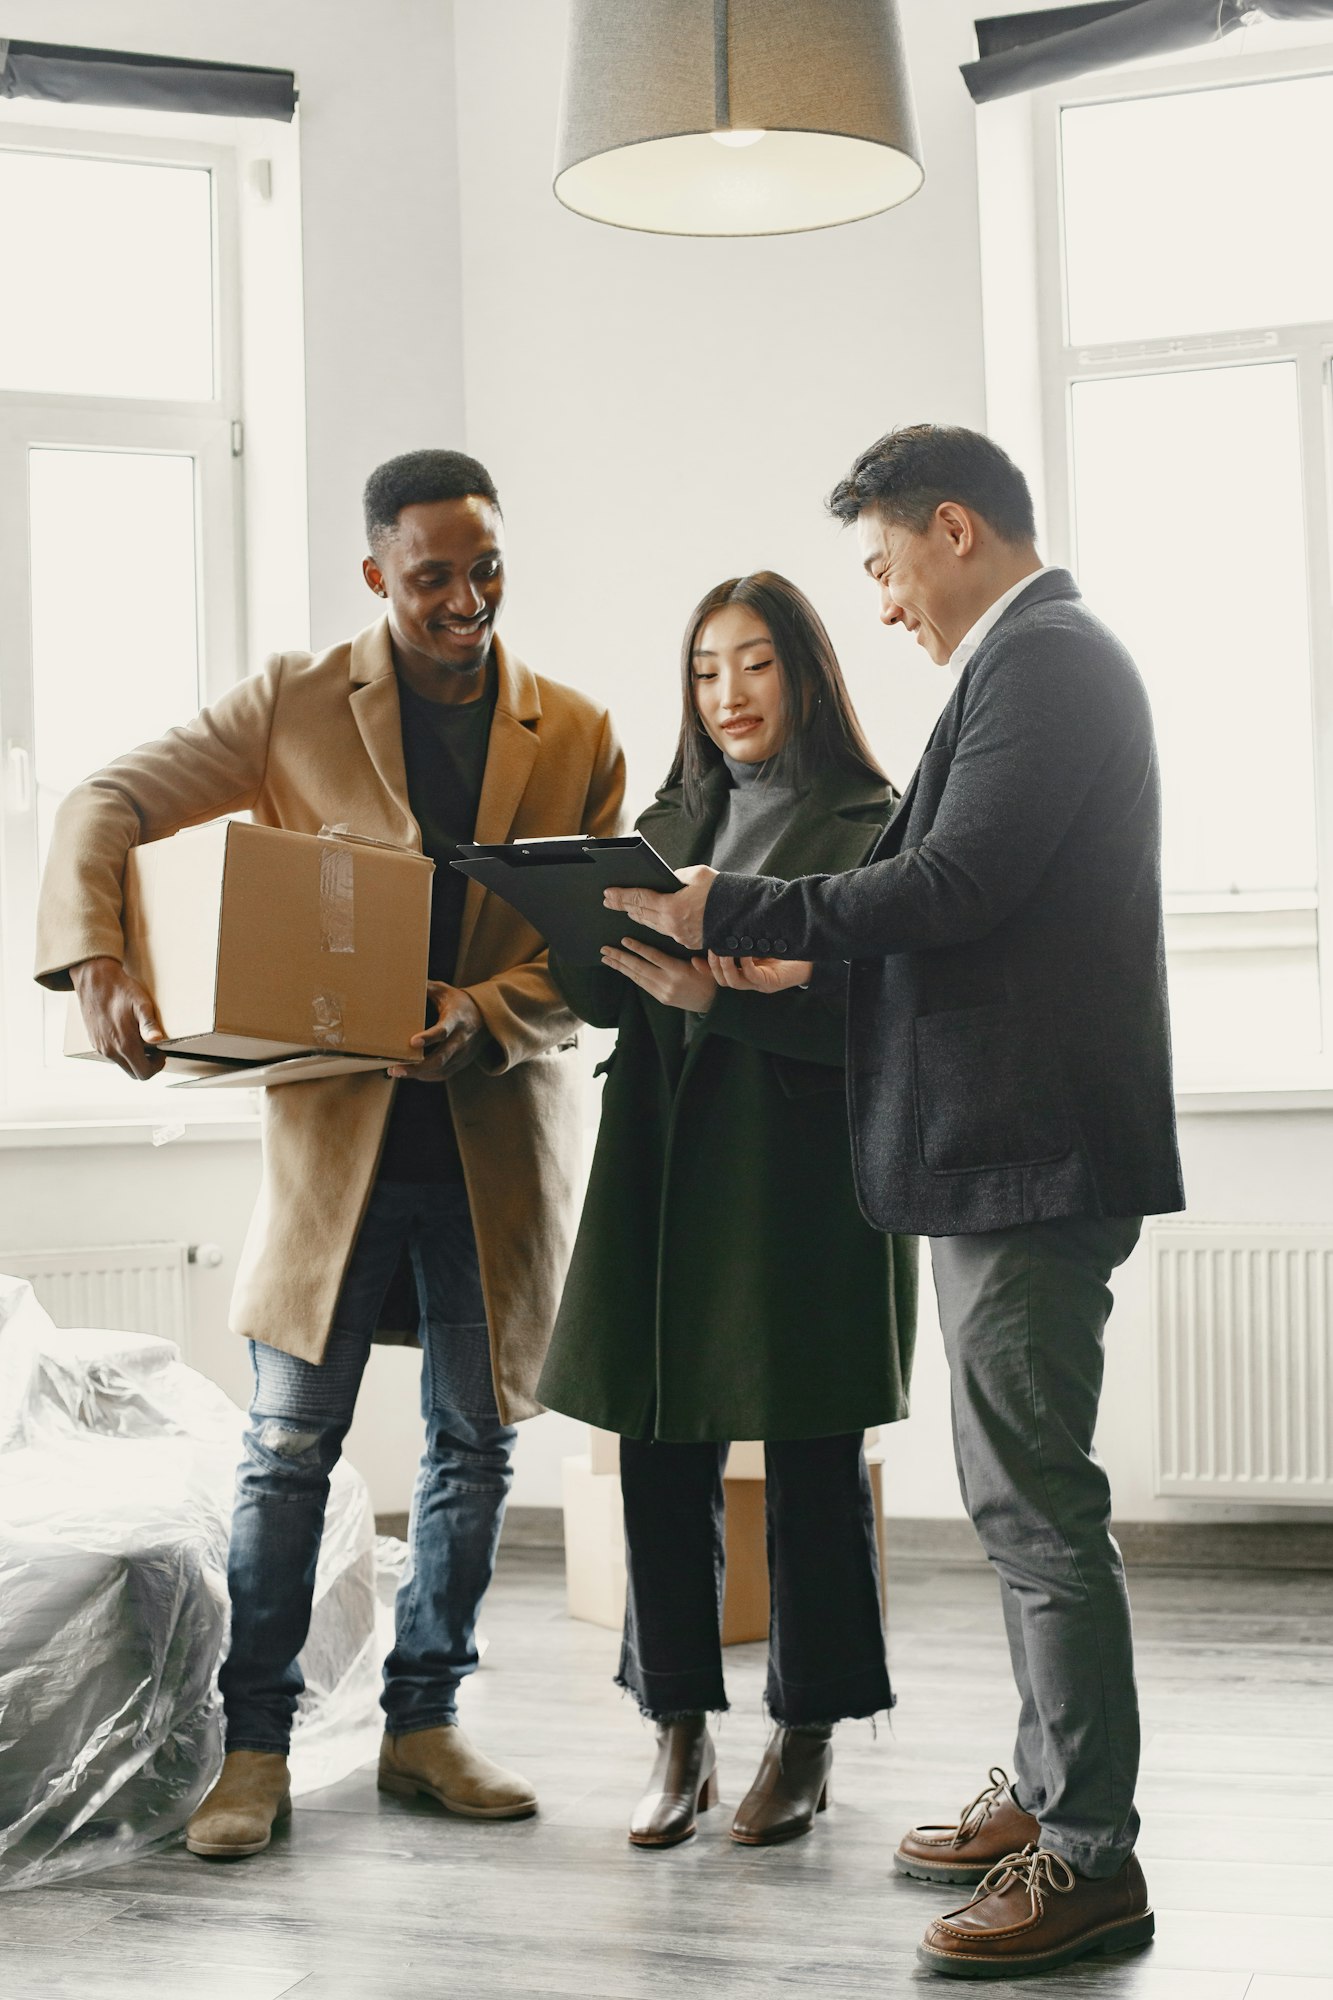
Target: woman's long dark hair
821, 724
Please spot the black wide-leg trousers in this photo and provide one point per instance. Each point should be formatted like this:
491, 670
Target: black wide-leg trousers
826, 1657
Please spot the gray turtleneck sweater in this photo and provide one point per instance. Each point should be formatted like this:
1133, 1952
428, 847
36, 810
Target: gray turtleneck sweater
755, 813
752, 820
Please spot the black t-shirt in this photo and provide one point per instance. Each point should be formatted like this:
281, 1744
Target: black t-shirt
444, 749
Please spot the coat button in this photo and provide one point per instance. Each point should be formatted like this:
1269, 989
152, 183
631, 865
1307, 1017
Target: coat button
733, 944
747, 944
763, 947
780, 947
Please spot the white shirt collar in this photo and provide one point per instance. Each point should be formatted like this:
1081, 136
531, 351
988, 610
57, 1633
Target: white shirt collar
970, 640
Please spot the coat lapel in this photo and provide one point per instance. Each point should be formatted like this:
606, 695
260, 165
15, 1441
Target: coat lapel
891, 838
514, 749
831, 828
1057, 583
374, 705
681, 841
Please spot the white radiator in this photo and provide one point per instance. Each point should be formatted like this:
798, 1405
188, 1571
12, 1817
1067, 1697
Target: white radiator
131, 1287
1243, 1362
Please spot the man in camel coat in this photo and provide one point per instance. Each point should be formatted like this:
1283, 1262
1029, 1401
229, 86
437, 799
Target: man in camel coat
457, 1173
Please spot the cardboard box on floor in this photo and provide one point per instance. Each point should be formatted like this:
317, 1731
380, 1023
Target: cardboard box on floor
595, 1536
259, 945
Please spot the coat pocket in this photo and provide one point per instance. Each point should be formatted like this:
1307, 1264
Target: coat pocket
989, 1092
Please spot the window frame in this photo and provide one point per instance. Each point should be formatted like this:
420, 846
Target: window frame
1194, 922
209, 431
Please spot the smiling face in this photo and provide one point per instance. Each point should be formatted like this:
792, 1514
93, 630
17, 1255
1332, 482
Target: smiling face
441, 569
737, 685
925, 582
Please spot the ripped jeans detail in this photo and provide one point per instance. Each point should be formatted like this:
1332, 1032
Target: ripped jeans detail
299, 1418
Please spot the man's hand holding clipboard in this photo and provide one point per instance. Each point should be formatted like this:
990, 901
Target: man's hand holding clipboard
679, 915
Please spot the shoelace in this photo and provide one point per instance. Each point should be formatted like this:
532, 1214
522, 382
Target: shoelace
1035, 1869
971, 1818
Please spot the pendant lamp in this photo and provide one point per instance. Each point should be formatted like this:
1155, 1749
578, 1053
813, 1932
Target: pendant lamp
735, 117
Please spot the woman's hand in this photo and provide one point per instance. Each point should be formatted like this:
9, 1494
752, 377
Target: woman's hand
760, 975
675, 982
452, 1043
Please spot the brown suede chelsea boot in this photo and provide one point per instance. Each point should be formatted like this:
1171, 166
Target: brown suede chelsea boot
237, 1817
442, 1764
1033, 1912
991, 1827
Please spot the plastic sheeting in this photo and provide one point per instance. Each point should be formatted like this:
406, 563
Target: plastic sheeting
117, 1470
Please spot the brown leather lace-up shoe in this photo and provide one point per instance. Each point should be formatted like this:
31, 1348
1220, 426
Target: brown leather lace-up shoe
993, 1826
684, 1783
1032, 1912
790, 1787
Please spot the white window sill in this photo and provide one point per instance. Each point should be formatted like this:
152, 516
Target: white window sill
1191, 1102
126, 1132
1232, 1099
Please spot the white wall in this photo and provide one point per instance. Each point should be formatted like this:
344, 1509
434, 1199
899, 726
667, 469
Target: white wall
662, 412
379, 172
658, 414
383, 372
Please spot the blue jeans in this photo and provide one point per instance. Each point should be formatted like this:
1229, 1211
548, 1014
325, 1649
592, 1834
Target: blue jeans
298, 1420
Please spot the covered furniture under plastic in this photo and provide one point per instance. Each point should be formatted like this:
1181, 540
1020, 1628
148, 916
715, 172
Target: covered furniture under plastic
117, 1466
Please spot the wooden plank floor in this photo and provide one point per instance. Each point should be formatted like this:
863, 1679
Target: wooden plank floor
370, 1898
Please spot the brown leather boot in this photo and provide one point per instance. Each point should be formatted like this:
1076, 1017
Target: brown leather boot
441, 1764
237, 1817
993, 1826
790, 1787
1032, 1912
684, 1782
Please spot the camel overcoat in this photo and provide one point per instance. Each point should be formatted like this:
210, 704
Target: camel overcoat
724, 1282
315, 741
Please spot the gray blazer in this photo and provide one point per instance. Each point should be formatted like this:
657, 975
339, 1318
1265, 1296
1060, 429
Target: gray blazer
1009, 1053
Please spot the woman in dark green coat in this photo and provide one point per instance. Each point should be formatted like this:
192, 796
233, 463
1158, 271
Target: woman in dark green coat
724, 1283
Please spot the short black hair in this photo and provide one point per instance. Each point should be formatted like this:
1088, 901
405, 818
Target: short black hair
908, 473
414, 479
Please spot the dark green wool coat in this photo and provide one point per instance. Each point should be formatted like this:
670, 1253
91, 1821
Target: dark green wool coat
724, 1282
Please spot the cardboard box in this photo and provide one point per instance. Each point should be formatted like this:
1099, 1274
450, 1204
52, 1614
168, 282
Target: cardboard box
745, 1604
258, 944
595, 1539
603, 1450
594, 1543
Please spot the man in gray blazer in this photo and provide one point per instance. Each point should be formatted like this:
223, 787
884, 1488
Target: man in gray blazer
1009, 1075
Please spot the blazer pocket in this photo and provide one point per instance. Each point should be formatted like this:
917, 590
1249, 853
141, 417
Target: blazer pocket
989, 1092
806, 1079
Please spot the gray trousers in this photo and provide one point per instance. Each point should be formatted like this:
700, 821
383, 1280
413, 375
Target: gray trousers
1023, 1312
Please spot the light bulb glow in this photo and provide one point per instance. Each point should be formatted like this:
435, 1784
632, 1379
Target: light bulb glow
737, 138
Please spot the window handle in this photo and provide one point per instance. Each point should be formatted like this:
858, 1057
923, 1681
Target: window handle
18, 778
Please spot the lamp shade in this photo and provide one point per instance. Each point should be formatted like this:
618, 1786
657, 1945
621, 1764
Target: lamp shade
735, 117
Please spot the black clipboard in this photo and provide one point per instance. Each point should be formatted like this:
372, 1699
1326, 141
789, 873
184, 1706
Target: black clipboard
557, 885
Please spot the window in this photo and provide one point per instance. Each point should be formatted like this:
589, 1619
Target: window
1186, 338
119, 577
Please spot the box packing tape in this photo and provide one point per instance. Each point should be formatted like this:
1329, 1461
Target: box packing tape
337, 909
337, 925
326, 1020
